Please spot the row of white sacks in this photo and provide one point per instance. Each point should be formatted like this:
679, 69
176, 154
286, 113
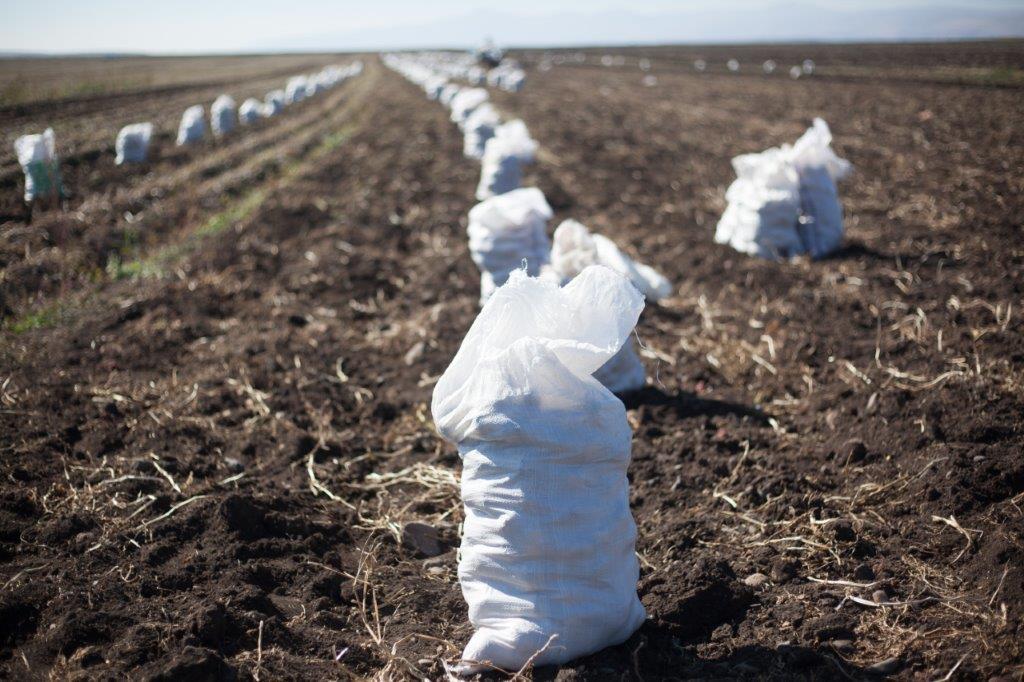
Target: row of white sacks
462, 66
529, 398
223, 117
37, 154
529, 402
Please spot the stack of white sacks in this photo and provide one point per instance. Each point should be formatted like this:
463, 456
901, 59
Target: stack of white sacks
784, 201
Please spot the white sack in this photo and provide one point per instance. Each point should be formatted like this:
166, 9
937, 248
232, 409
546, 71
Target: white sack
273, 103
821, 213
250, 111
516, 138
192, 128
222, 115
478, 129
37, 155
132, 144
574, 248
784, 201
296, 89
506, 232
764, 206
548, 544
500, 170
465, 102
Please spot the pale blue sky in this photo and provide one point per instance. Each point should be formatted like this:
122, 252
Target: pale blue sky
191, 26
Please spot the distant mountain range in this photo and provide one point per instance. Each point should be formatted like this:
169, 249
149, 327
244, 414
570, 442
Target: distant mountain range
790, 22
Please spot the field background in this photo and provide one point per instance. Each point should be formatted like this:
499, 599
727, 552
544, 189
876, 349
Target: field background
216, 367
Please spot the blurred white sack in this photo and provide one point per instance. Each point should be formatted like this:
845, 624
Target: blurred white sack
547, 563
222, 115
37, 155
250, 111
192, 128
500, 170
132, 144
784, 201
478, 128
507, 232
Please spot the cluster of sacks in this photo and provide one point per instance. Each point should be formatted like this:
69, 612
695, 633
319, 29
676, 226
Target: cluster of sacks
463, 66
529, 400
784, 201
37, 154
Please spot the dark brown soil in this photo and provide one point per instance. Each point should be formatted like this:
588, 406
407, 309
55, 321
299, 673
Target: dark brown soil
207, 469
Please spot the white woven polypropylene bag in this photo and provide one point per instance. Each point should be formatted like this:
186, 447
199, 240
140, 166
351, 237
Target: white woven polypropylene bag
504, 232
132, 143
222, 115
548, 558
516, 137
192, 128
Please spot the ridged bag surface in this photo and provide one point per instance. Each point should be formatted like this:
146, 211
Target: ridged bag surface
548, 546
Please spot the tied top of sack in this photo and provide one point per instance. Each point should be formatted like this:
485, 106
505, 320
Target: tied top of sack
37, 148
575, 248
581, 325
814, 150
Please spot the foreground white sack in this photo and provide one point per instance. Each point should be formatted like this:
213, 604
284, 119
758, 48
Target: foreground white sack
821, 213
575, 248
193, 125
548, 541
784, 201
222, 115
37, 155
132, 144
506, 232
500, 170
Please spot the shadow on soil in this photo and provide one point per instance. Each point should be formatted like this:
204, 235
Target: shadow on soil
686, 404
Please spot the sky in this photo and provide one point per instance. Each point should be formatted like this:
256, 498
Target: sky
212, 26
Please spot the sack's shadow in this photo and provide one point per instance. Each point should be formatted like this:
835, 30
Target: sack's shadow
686, 404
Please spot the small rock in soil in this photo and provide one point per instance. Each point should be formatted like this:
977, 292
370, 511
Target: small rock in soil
423, 538
886, 667
755, 580
879, 596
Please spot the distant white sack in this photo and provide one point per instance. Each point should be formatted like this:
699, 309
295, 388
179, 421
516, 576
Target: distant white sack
222, 115
273, 103
250, 111
516, 140
37, 155
500, 169
296, 89
478, 128
192, 128
132, 144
